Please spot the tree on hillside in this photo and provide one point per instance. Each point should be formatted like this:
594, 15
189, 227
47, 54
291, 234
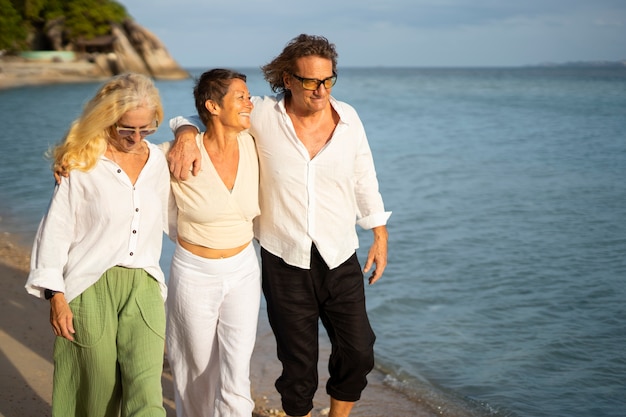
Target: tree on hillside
12, 33
73, 19
91, 18
29, 9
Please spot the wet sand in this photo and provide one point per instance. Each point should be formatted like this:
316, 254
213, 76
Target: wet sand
26, 341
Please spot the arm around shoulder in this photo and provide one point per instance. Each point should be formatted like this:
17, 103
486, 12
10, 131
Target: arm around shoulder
184, 155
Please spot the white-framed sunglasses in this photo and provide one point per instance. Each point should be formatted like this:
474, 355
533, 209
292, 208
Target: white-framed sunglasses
125, 131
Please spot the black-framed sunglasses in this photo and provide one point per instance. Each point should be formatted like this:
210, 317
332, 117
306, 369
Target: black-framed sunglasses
129, 131
313, 83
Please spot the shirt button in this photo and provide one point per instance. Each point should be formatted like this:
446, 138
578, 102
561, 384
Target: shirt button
131, 254
119, 171
137, 209
134, 232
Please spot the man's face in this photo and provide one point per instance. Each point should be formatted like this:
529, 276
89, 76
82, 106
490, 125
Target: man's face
310, 68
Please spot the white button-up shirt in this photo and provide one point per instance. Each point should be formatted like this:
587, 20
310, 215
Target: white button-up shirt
318, 200
99, 219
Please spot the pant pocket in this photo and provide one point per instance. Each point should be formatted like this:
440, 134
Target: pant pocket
90, 318
152, 307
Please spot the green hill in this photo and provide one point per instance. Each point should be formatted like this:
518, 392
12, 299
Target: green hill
55, 24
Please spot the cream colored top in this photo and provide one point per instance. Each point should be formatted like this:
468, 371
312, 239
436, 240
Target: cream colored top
211, 215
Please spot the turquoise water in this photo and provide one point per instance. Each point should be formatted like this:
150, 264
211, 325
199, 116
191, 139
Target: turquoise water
504, 294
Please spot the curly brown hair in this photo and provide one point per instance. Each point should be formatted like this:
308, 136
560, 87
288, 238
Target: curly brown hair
300, 46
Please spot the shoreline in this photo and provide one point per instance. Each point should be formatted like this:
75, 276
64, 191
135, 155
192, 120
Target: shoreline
17, 72
26, 342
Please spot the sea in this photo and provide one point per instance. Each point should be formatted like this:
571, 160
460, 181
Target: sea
506, 284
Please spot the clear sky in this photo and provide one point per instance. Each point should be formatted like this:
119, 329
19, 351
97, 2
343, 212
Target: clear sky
422, 33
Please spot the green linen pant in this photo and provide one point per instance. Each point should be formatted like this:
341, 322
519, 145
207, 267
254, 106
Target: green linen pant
114, 365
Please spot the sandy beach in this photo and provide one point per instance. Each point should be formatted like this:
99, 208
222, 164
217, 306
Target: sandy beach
26, 341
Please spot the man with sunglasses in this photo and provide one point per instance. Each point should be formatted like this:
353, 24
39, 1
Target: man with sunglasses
317, 178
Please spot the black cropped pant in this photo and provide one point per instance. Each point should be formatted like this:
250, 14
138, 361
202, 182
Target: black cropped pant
296, 300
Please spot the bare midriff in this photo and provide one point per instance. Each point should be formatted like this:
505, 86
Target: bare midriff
211, 253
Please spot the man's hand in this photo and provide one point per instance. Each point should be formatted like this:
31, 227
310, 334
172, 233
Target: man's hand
184, 153
377, 254
61, 317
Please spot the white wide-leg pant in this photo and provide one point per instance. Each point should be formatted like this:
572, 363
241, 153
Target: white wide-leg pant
212, 314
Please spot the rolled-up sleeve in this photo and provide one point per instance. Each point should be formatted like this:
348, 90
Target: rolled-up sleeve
52, 242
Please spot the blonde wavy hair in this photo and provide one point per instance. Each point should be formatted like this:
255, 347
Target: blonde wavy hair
88, 135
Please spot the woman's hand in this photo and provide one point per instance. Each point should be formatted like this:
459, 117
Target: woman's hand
61, 317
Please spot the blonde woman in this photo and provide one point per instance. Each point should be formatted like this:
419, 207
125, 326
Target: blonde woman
96, 256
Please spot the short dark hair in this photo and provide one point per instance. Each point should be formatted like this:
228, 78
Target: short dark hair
213, 85
300, 46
